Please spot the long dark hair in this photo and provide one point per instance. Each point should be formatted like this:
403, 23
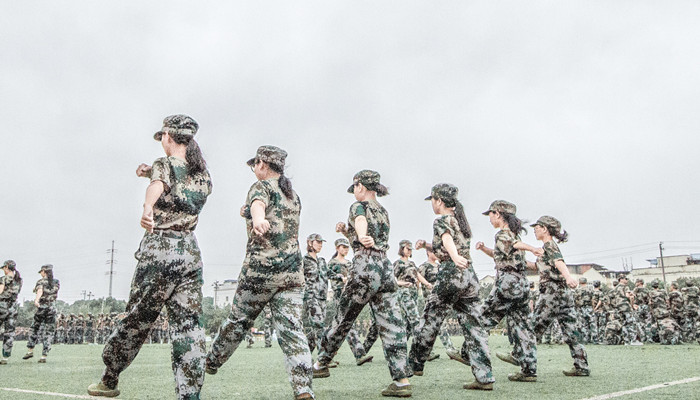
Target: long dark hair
193, 154
514, 223
562, 236
49, 276
285, 183
461, 216
17, 278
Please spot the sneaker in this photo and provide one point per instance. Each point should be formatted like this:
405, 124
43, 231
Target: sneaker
42, 360
100, 389
364, 359
3, 361
397, 391
303, 396
636, 343
322, 372
454, 355
417, 373
269, 345
433, 357
577, 372
333, 364
28, 355
476, 385
507, 358
520, 377
209, 369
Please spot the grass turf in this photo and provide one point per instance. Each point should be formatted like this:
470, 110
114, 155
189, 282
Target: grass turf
259, 373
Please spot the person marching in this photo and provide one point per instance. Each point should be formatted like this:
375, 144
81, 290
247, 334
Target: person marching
408, 278
623, 304
556, 301
583, 298
338, 268
509, 296
272, 272
371, 280
316, 290
10, 285
169, 268
457, 287
44, 324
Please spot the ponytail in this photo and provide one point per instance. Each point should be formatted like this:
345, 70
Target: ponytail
193, 154
285, 183
462, 220
561, 237
49, 276
17, 278
514, 223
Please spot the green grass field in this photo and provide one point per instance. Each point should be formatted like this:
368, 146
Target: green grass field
259, 373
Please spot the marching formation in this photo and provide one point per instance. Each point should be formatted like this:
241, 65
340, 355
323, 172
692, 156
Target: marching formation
292, 291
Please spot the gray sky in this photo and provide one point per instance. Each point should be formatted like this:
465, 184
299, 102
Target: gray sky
587, 111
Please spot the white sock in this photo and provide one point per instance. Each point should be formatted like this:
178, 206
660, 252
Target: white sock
317, 365
401, 384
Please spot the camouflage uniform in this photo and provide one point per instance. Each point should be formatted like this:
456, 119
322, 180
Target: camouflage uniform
598, 313
168, 273
641, 300
315, 294
509, 298
667, 328
675, 299
8, 310
430, 273
613, 330
337, 270
90, 329
458, 289
556, 303
370, 280
623, 308
267, 325
406, 271
272, 273
44, 325
584, 309
691, 295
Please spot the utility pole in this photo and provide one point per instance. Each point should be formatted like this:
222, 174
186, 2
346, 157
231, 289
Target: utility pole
84, 293
111, 263
216, 292
661, 253
89, 295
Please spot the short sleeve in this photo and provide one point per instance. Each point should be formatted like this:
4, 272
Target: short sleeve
357, 209
504, 242
442, 226
38, 285
259, 191
551, 252
160, 171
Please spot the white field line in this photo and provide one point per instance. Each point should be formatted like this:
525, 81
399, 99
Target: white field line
69, 396
643, 389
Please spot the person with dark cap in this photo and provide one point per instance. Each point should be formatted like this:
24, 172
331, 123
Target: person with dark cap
371, 280
509, 296
622, 302
666, 327
169, 269
641, 305
44, 324
457, 288
556, 302
691, 296
598, 313
272, 272
316, 290
584, 308
677, 306
408, 278
10, 285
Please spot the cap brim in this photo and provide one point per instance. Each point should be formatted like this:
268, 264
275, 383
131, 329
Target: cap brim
428, 198
486, 212
534, 225
158, 135
250, 162
351, 189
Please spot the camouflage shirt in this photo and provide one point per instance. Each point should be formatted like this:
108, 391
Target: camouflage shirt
597, 295
692, 298
49, 294
641, 295
405, 271
677, 304
179, 206
316, 276
505, 255
429, 271
621, 301
12, 288
377, 224
274, 258
658, 302
448, 224
336, 271
545, 264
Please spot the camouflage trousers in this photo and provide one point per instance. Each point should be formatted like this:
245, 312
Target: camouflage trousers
314, 316
8, 314
689, 327
557, 304
267, 326
509, 298
168, 274
613, 334
630, 330
353, 338
43, 328
60, 336
89, 336
409, 308
601, 321
445, 337
552, 334
644, 322
287, 307
669, 331
456, 289
588, 322
370, 280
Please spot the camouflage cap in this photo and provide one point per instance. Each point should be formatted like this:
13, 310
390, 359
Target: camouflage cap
501, 206
548, 222
655, 283
582, 280
406, 243
621, 276
596, 283
315, 236
269, 154
9, 264
46, 267
370, 180
445, 192
639, 280
342, 242
689, 282
179, 124
532, 285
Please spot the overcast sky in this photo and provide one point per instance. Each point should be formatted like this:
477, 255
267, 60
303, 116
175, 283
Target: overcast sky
587, 111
